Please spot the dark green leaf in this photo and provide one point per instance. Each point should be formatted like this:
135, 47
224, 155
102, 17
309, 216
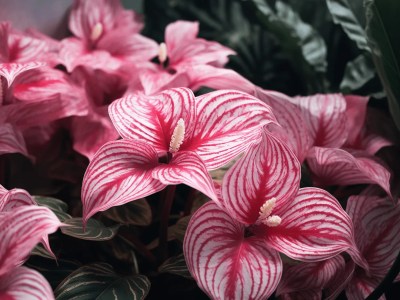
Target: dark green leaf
95, 230
179, 229
39, 250
175, 265
98, 281
343, 14
137, 212
357, 73
384, 39
58, 206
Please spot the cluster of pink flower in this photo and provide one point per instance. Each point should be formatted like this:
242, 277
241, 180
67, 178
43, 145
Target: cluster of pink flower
233, 244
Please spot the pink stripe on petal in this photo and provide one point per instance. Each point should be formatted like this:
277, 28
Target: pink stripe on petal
359, 288
11, 70
314, 227
20, 230
326, 118
14, 198
294, 129
310, 276
153, 118
225, 264
119, 172
228, 122
268, 170
23, 283
186, 167
336, 166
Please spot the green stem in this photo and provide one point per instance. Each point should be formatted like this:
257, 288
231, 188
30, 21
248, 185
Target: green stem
166, 206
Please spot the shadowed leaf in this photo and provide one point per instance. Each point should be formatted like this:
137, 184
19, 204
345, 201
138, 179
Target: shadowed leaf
175, 265
95, 230
133, 213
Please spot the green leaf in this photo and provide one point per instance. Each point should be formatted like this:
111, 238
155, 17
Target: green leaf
178, 230
175, 265
137, 212
95, 230
99, 281
57, 206
344, 14
357, 73
384, 40
39, 250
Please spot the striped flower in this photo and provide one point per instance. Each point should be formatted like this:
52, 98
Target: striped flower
170, 138
232, 249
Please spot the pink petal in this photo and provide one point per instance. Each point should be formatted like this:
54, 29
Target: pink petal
377, 224
186, 167
21, 229
119, 172
14, 198
4, 51
310, 276
337, 166
218, 78
228, 122
326, 118
360, 287
267, 170
356, 110
314, 227
109, 13
226, 264
23, 283
340, 281
308, 294
11, 70
178, 32
11, 140
293, 128
153, 119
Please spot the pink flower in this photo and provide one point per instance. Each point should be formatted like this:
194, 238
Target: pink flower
170, 138
106, 36
232, 248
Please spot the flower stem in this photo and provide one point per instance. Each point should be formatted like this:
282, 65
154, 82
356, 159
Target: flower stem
167, 200
390, 276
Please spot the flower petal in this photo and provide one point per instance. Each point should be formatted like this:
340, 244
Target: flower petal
23, 283
119, 172
356, 110
336, 166
20, 230
225, 264
228, 122
186, 167
11, 140
310, 276
268, 170
153, 119
11, 70
359, 288
14, 198
326, 118
294, 129
314, 227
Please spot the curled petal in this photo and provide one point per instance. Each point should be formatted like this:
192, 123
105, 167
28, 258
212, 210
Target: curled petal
23, 283
186, 167
268, 170
228, 121
11, 140
11, 70
314, 227
337, 166
14, 198
153, 119
119, 172
20, 230
225, 264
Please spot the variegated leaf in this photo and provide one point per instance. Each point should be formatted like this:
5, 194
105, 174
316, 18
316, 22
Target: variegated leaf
268, 170
133, 213
224, 262
94, 230
58, 207
175, 265
99, 281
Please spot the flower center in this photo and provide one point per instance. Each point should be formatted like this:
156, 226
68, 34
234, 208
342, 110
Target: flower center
162, 53
97, 31
178, 136
265, 214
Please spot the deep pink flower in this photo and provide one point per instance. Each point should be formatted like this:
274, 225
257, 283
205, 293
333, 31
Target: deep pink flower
232, 249
106, 36
170, 138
